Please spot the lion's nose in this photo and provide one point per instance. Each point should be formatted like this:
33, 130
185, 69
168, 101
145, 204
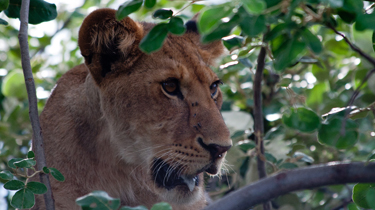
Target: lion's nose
215, 150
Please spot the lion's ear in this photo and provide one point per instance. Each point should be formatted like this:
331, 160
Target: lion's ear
103, 41
209, 51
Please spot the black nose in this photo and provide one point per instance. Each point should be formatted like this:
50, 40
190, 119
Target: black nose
215, 150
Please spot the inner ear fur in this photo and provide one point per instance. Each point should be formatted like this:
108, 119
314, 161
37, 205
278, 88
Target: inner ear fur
103, 41
209, 51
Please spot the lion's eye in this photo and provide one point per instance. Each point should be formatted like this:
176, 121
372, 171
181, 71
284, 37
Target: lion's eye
214, 86
171, 86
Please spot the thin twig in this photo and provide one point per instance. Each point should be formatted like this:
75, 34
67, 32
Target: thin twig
33, 108
355, 48
352, 99
356, 92
258, 118
299, 179
192, 2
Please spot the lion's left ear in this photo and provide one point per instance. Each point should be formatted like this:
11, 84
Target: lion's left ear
209, 51
104, 41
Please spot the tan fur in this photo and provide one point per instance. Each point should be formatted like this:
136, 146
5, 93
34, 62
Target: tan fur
108, 119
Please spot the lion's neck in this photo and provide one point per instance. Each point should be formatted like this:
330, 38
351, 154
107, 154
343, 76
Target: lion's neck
123, 180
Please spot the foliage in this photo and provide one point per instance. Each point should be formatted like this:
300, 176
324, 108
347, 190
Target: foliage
99, 200
318, 94
24, 197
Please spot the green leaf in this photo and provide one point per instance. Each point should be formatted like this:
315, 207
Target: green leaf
25, 163
30, 154
12, 161
23, 199
315, 95
270, 157
163, 13
4, 4
153, 41
352, 206
288, 53
211, 17
133, 208
127, 8
14, 185
244, 167
14, 85
45, 170
373, 40
102, 200
150, 3
36, 187
288, 166
176, 26
307, 60
233, 42
354, 6
222, 30
302, 119
371, 157
161, 206
330, 133
253, 25
370, 195
360, 194
246, 145
347, 17
303, 157
365, 21
284, 82
336, 3
254, 6
57, 174
312, 41
7, 175
275, 32
295, 148
40, 11
246, 62
3, 22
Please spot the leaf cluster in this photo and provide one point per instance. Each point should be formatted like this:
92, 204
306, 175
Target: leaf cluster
24, 197
100, 200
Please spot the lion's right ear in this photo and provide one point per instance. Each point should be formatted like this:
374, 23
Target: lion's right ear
104, 41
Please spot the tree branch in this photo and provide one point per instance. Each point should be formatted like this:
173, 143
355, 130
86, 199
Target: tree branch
33, 108
258, 118
288, 181
355, 48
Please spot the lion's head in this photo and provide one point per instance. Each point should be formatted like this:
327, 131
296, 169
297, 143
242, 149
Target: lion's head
162, 108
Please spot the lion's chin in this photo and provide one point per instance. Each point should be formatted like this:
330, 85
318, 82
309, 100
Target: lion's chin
169, 178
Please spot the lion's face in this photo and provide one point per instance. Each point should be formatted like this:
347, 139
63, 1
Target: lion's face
162, 109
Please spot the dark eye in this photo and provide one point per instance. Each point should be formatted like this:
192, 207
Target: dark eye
214, 87
170, 86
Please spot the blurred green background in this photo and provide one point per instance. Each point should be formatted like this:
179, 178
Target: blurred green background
320, 82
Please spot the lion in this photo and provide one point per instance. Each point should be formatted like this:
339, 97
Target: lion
142, 127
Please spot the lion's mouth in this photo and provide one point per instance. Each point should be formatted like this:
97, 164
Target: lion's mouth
169, 177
